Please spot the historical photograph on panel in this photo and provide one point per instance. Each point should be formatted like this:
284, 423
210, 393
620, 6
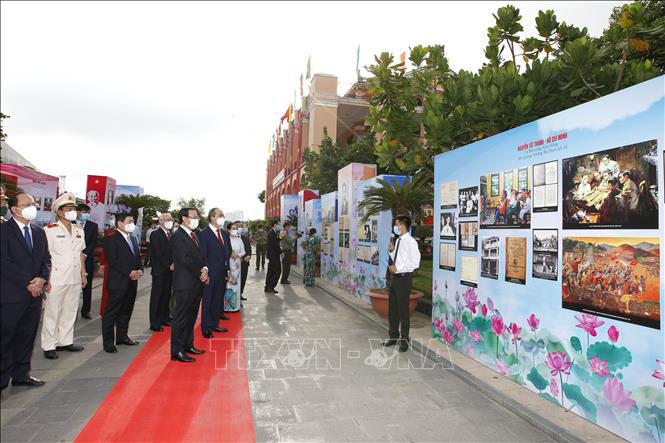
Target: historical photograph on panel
615, 277
449, 195
613, 189
359, 253
505, 199
346, 239
489, 260
468, 202
447, 256
469, 272
368, 232
375, 255
545, 189
375, 230
448, 225
516, 260
545, 254
468, 236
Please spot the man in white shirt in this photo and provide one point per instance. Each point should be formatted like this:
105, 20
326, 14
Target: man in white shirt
405, 259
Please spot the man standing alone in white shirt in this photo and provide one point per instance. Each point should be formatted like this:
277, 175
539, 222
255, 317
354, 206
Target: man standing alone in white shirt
405, 258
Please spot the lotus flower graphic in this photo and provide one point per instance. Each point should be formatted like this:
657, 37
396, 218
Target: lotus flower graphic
377, 358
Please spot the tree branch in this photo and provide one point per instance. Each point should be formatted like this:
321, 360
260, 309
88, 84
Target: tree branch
579, 71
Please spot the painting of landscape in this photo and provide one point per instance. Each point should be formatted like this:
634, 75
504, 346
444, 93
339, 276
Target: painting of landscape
614, 277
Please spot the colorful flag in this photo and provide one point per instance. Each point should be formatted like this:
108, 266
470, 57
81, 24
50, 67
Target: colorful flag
269, 146
309, 67
358, 63
402, 57
301, 90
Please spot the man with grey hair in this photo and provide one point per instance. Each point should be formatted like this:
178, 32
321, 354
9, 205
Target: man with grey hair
162, 273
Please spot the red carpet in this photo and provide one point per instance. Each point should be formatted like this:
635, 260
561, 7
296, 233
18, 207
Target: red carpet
159, 400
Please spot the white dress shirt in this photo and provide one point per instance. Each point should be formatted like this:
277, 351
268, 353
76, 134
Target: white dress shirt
128, 240
408, 255
21, 226
189, 234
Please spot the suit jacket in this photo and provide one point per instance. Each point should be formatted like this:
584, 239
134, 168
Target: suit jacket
187, 259
121, 261
18, 265
90, 232
273, 251
248, 248
161, 256
216, 257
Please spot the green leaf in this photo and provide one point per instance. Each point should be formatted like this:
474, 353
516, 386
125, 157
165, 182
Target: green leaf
537, 380
481, 324
575, 343
615, 357
574, 394
655, 416
555, 346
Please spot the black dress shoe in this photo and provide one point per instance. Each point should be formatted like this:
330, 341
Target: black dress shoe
110, 349
207, 334
243, 298
224, 317
194, 351
167, 323
51, 355
403, 346
70, 348
183, 358
86, 315
128, 341
30, 381
389, 342
275, 292
286, 282
157, 329
216, 329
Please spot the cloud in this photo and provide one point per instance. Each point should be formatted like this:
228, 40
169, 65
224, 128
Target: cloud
599, 114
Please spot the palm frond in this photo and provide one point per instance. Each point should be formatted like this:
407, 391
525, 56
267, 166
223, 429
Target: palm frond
406, 198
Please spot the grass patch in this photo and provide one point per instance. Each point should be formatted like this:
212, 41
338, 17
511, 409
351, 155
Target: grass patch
422, 279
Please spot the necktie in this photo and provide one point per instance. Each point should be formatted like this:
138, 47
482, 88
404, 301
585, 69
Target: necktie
168, 235
28, 239
196, 243
399, 240
131, 244
219, 237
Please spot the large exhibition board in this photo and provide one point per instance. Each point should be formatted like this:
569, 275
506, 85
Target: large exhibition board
299, 227
329, 234
549, 265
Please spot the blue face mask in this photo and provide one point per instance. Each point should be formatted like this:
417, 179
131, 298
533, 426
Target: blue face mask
278, 229
85, 217
396, 230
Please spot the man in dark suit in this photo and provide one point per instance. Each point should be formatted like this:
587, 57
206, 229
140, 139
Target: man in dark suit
25, 261
162, 273
90, 232
214, 247
189, 277
244, 265
273, 253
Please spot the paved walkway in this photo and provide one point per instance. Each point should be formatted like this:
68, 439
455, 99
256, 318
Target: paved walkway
316, 373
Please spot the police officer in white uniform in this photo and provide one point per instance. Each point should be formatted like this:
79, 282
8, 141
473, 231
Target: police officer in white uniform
66, 243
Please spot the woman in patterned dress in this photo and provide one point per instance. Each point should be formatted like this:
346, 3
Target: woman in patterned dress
232, 295
311, 246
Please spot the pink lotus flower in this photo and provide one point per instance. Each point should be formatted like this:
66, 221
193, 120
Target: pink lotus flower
471, 299
558, 362
660, 373
490, 304
484, 310
459, 326
615, 396
515, 331
502, 368
497, 325
468, 350
476, 336
599, 367
533, 322
439, 324
554, 387
447, 336
589, 323
613, 334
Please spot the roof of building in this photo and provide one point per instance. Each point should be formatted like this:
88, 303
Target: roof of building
12, 157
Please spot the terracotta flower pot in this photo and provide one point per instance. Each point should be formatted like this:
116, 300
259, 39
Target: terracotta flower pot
379, 299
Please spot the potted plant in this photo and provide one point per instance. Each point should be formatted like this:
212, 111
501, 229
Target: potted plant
406, 198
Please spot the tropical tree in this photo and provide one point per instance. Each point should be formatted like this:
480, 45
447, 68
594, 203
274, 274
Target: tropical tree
151, 204
196, 203
406, 198
262, 196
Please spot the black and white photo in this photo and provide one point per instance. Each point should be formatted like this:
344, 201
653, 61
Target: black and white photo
468, 202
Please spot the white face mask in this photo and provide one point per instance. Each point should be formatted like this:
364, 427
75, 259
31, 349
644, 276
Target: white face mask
129, 227
70, 215
29, 213
193, 223
112, 222
168, 225
396, 230
234, 232
220, 222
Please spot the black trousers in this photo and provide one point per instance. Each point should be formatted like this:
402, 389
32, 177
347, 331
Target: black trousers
274, 271
212, 303
117, 314
87, 291
244, 268
286, 266
146, 262
19, 329
260, 256
398, 306
160, 295
187, 304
